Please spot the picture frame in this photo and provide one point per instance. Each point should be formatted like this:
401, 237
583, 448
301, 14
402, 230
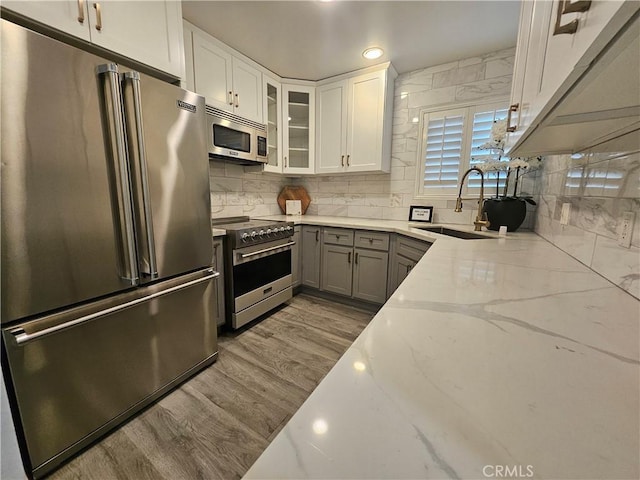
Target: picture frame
420, 214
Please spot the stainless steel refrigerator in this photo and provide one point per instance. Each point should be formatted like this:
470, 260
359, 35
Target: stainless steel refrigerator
107, 286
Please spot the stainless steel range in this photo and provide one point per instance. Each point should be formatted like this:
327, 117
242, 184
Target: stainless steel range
258, 262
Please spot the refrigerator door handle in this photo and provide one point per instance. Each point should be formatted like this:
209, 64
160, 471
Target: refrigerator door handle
114, 126
21, 337
138, 154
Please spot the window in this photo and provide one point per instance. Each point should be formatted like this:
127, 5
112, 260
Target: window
450, 145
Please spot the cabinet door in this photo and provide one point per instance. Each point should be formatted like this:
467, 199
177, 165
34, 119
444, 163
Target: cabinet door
366, 122
212, 73
370, 275
148, 32
295, 256
69, 16
272, 113
337, 269
247, 91
299, 133
331, 127
401, 267
310, 262
218, 266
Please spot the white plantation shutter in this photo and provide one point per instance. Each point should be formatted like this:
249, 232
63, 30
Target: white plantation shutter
483, 119
444, 150
450, 142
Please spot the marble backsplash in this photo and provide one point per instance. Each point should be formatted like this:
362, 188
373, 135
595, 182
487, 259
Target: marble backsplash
600, 187
237, 190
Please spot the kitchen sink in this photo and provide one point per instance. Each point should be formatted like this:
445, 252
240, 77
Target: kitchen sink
453, 233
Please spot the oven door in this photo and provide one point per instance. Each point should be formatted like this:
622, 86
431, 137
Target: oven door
261, 279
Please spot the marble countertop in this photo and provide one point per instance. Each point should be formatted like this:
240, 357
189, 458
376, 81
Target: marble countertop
505, 355
218, 232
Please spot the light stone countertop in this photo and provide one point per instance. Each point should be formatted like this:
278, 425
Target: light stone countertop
218, 232
492, 354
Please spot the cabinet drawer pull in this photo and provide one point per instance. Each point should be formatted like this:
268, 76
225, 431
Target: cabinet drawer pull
81, 11
237, 100
512, 108
317, 235
342, 160
230, 98
349, 258
566, 6
348, 156
356, 258
98, 16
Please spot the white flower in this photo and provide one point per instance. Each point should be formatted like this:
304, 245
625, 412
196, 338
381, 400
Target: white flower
492, 166
499, 131
530, 163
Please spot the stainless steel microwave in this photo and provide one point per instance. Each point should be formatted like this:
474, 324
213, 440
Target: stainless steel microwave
231, 137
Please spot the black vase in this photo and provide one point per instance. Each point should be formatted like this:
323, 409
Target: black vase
505, 211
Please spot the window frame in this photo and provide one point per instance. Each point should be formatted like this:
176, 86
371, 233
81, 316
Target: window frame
469, 109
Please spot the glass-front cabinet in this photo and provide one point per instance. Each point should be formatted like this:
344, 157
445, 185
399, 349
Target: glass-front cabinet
272, 109
298, 115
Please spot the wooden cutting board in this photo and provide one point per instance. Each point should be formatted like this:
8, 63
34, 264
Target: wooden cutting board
293, 193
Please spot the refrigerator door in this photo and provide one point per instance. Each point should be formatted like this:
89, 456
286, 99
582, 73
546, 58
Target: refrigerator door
67, 232
78, 373
170, 175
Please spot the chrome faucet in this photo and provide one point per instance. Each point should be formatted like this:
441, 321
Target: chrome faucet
481, 218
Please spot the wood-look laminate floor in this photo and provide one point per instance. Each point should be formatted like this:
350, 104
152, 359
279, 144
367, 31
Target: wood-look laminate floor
216, 424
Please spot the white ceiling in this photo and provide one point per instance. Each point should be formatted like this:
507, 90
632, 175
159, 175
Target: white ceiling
317, 39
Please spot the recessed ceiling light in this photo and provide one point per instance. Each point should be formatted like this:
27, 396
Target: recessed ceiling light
372, 53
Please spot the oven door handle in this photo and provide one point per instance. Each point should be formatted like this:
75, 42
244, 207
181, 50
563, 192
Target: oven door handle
265, 250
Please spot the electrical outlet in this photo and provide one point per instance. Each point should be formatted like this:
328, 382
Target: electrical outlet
626, 229
564, 215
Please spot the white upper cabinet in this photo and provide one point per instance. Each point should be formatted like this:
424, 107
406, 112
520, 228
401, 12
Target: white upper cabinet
562, 55
69, 16
298, 138
354, 123
147, 32
226, 81
212, 72
331, 136
247, 91
272, 109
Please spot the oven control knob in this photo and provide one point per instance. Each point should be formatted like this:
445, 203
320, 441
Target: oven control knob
244, 236
261, 233
254, 234
288, 228
268, 231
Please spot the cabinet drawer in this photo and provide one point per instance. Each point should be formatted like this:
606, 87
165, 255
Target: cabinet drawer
412, 249
338, 236
372, 240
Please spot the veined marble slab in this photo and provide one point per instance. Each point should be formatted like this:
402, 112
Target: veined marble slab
498, 354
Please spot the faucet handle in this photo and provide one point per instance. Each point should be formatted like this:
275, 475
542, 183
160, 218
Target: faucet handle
458, 205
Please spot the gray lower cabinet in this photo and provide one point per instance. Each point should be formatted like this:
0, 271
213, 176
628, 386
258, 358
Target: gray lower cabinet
296, 251
406, 252
348, 269
337, 269
218, 266
310, 258
370, 275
